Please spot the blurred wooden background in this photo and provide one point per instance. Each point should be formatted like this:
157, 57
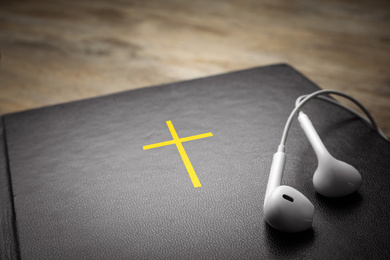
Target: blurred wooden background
55, 51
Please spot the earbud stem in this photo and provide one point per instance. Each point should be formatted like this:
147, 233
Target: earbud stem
276, 172
311, 133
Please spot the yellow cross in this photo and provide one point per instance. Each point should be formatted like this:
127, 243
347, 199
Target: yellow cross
178, 141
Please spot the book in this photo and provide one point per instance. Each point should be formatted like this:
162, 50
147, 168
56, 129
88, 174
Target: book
179, 171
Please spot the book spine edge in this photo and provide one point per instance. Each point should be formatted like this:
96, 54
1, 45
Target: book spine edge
9, 246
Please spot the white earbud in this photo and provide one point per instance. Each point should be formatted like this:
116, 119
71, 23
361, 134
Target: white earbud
333, 178
285, 208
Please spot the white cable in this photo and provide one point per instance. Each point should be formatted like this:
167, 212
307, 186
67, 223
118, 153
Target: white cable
365, 119
307, 98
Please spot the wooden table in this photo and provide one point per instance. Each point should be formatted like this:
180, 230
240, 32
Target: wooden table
56, 51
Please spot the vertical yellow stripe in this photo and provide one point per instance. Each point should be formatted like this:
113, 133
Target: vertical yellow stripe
172, 130
184, 157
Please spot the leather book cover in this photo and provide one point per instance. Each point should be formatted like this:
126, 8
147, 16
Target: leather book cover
8, 240
179, 171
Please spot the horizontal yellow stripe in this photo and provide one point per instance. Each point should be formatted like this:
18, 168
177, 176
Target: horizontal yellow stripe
185, 139
150, 146
194, 137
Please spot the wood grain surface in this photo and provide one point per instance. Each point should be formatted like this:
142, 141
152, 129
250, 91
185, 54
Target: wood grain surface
55, 51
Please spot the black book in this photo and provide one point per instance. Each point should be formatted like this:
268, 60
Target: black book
179, 171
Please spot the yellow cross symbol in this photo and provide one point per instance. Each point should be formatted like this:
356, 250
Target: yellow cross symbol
178, 141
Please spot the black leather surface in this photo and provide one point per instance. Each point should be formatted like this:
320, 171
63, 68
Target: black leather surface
85, 189
8, 242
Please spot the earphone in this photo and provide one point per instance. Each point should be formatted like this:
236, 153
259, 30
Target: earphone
285, 208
